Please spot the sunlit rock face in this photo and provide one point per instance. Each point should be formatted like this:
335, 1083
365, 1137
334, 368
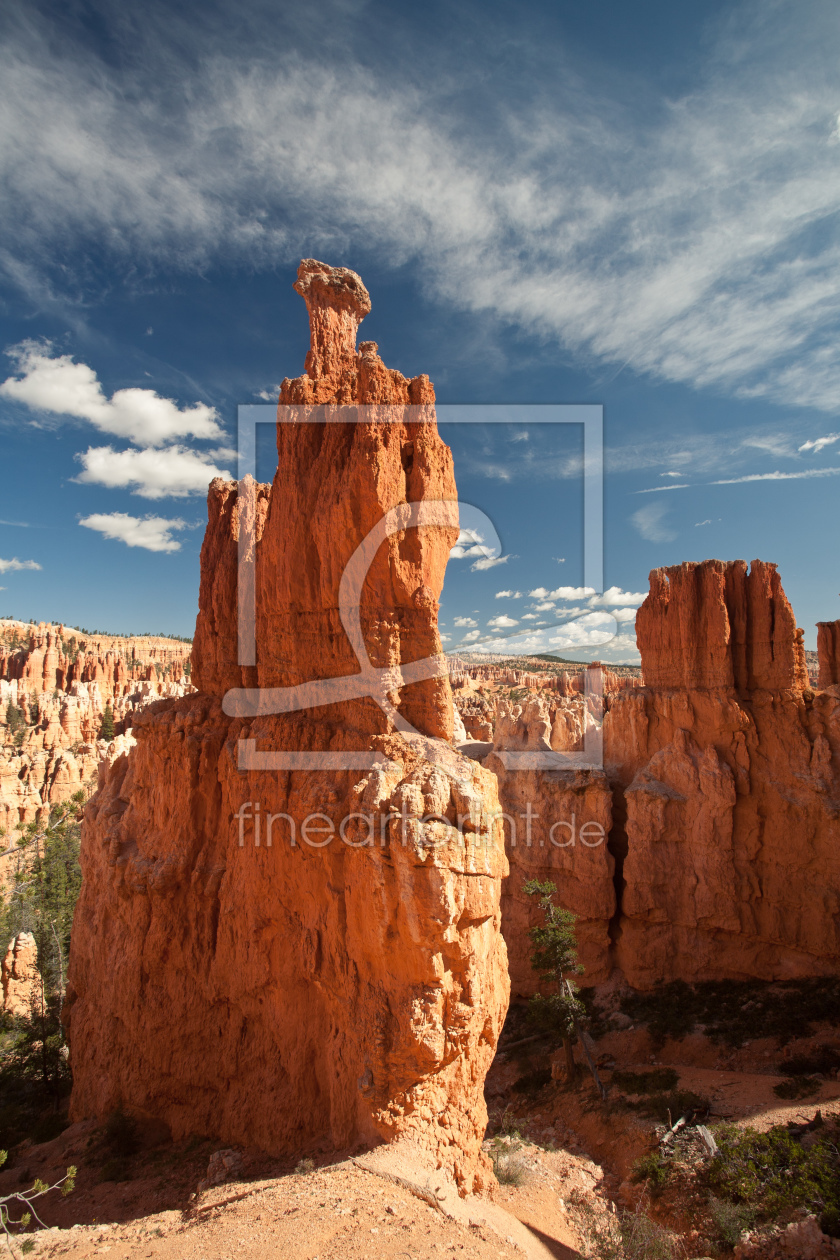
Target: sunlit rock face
303, 958
725, 770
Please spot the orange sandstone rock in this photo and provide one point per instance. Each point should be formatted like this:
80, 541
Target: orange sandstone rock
716, 624
303, 958
20, 978
726, 787
828, 650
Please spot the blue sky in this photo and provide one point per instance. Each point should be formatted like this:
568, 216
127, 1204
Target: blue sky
635, 206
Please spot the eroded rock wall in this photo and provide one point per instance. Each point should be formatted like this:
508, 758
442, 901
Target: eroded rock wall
337, 975
726, 766
720, 800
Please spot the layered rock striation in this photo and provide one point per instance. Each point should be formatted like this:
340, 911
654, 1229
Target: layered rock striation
304, 957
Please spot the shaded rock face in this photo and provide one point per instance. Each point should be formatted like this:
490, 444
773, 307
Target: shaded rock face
828, 651
726, 787
303, 959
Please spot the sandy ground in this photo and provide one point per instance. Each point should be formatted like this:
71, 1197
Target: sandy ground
339, 1212
577, 1155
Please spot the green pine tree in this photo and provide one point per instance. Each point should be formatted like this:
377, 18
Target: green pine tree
40, 898
106, 730
16, 724
554, 959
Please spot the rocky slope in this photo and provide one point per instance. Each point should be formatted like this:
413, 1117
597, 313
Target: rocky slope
276, 983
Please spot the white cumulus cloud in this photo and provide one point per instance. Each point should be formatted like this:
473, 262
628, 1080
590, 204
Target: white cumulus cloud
173, 471
57, 384
562, 592
591, 630
615, 597
152, 533
502, 622
489, 562
465, 621
17, 566
508, 594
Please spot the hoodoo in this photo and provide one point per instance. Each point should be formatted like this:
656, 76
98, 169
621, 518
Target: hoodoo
304, 958
724, 767
708, 847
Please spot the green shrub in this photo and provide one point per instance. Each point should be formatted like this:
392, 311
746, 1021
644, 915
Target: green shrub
653, 1169
114, 1170
121, 1133
508, 1164
667, 1108
507, 1125
776, 1174
734, 1011
797, 1087
822, 1060
305, 1166
632, 1236
49, 1127
730, 1220
646, 1082
533, 1082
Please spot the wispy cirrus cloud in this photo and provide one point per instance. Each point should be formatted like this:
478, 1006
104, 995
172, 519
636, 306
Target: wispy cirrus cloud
801, 475
682, 485
817, 444
692, 241
650, 523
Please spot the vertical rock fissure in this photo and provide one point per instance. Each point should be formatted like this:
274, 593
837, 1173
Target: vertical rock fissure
618, 846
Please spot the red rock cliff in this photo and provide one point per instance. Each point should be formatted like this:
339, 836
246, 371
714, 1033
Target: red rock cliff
278, 983
726, 789
716, 624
